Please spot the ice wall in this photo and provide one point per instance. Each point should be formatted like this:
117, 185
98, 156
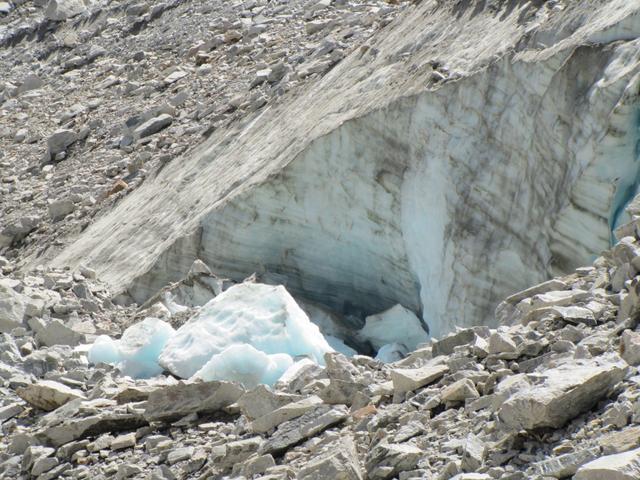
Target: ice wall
437, 167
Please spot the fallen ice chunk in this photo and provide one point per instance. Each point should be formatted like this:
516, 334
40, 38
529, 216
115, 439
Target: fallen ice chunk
395, 325
136, 353
245, 364
104, 350
263, 316
392, 352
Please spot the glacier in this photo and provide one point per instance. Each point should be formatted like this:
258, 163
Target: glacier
441, 173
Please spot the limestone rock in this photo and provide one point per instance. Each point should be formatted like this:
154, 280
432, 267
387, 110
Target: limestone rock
446, 345
473, 453
124, 441
566, 391
501, 343
311, 423
459, 391
59, 209
340, 463
262, 400
153, 125
407, 380
621, 441
388, 460
12, 309
630, 347
61, 139
175, 401
238, 451
622, 466
179, 455
48, 395
566, 465
58, 10
286, 412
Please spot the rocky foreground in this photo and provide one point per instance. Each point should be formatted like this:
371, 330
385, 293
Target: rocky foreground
554, 393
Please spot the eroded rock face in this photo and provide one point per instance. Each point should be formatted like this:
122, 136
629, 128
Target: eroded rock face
371, 189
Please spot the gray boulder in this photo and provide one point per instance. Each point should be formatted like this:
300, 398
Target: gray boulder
563, 393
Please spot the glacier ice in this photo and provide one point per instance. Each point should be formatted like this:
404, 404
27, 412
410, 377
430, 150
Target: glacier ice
392, 352
245, 364
339, 346
261, 319
370, 190
136, 352
395, 325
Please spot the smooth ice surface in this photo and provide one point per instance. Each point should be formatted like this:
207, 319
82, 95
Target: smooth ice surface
264, 317
136, 353
395, 325
244, 364
339, 346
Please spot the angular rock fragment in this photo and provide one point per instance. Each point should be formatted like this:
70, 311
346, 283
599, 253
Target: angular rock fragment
622, 466
501, 343
340, 463
179, 455
473, 453
59, 209
566, 465
238, 451
60, 140
261, 400
126, 440
58, 10
311, 423
12, 309
630, 347
387, 460
153, 125
286, 412
409, 379
446, 345
48, 395
176, 401
459, 391
566, 391
621, 441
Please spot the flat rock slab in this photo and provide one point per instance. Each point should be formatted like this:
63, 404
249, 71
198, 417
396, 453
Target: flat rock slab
176, 401
622, 441
341, 462
564, 466
409, 379
565, 392
311, 423
76, 428
153, 125
622, 466
284, 413
48, 395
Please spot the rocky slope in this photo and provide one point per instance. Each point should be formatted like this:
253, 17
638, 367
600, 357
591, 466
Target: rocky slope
553, 393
